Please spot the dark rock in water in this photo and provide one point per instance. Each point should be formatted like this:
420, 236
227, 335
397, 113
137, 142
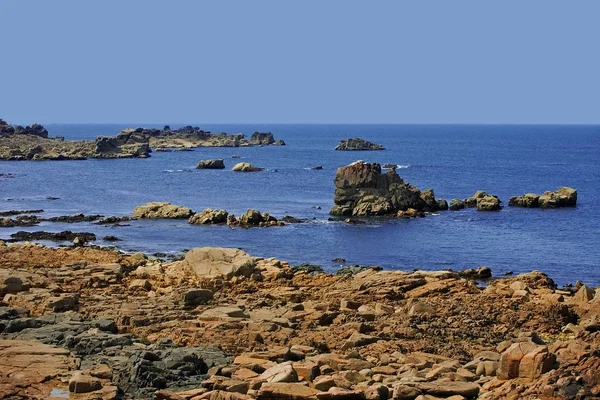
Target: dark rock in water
163, 150
253, 218
358, 144
8, 176
291, 220
75, 218
210, 164
442, 204
390, 166
354, 269
235, 156
316, 207
18, 212
362, 190
483, 201
317, 168
471, 202
66, 236
479, 273
310, 269
431, 204
52, 198
353, 221
563, 197
110, 238
456, 205
21, 220
114, 220
339, 259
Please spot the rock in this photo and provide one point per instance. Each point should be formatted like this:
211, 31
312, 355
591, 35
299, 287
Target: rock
213, 262
358, 340
456, 205
286, 391
472, 201
283, 372
358, 144
488, 203
158, 210
446, 389
65, 236
111, 238
563, 197
75, 218
80, 383
253, 218
245, 167
262, 139
528, 200
194, 297
209, 216
317, 168
584, 294
525, 360
442, 204
362, 190
211, 164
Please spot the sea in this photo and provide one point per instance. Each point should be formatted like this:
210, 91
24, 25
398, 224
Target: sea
453, 160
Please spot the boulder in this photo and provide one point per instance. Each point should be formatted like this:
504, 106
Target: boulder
210, 164
213, 262
164, 210
525, 360
286, 391
488, 203
209, 216
262, 138
194, 297
528, 200
471, 202
362, 190
456, 205
358, 144
253, 218
245, 167
431, 204
563, 197
283, 372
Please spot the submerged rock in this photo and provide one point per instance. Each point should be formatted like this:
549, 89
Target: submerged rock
65, 236
158, 210
358, 144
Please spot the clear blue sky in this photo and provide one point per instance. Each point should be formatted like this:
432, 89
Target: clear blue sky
534, 61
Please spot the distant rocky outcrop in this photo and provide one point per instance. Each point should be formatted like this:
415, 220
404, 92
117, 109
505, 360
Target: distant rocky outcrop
264, 139
482, 200
210, 164
253, 218
362, 190
158, 210
193, 136
32, 143
209, 216
563, 197
245, 167
358, 144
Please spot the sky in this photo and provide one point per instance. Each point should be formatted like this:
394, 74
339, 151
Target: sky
334, 61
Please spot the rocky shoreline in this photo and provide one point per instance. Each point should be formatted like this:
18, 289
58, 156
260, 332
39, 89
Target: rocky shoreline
18, 143
220, 324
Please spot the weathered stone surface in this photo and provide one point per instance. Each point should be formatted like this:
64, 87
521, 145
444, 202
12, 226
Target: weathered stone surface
358, 144
209, 216
488, 203
212, 262
285, 391
563, 197
162, 210
245, 167
362, 190
456, 205
211, 164
528, 200
194, 297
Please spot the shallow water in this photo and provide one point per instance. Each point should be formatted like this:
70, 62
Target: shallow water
453, 160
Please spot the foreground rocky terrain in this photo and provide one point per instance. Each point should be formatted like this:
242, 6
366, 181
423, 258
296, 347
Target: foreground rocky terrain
86, 323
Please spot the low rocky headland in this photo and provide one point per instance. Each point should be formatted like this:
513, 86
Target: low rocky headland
19, 143
86, 323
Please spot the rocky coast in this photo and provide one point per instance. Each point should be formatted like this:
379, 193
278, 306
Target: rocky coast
87, 323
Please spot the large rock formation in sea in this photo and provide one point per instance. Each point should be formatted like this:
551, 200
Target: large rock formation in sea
211, 164
245, 167
32, 143
362, 190
162, 210
563, 197
358, 144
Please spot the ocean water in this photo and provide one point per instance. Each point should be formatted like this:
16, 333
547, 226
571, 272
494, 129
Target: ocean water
453, 160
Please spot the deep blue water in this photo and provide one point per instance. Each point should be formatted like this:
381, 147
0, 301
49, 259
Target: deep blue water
453, 160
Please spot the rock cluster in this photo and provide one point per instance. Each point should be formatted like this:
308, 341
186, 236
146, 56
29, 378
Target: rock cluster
563, 197
189, 137
481, 200
362, 190
33, 143
221, 324
251, 218
358, 144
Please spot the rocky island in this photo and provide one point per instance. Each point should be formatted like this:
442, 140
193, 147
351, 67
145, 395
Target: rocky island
33, 143
358, 144
220, 324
